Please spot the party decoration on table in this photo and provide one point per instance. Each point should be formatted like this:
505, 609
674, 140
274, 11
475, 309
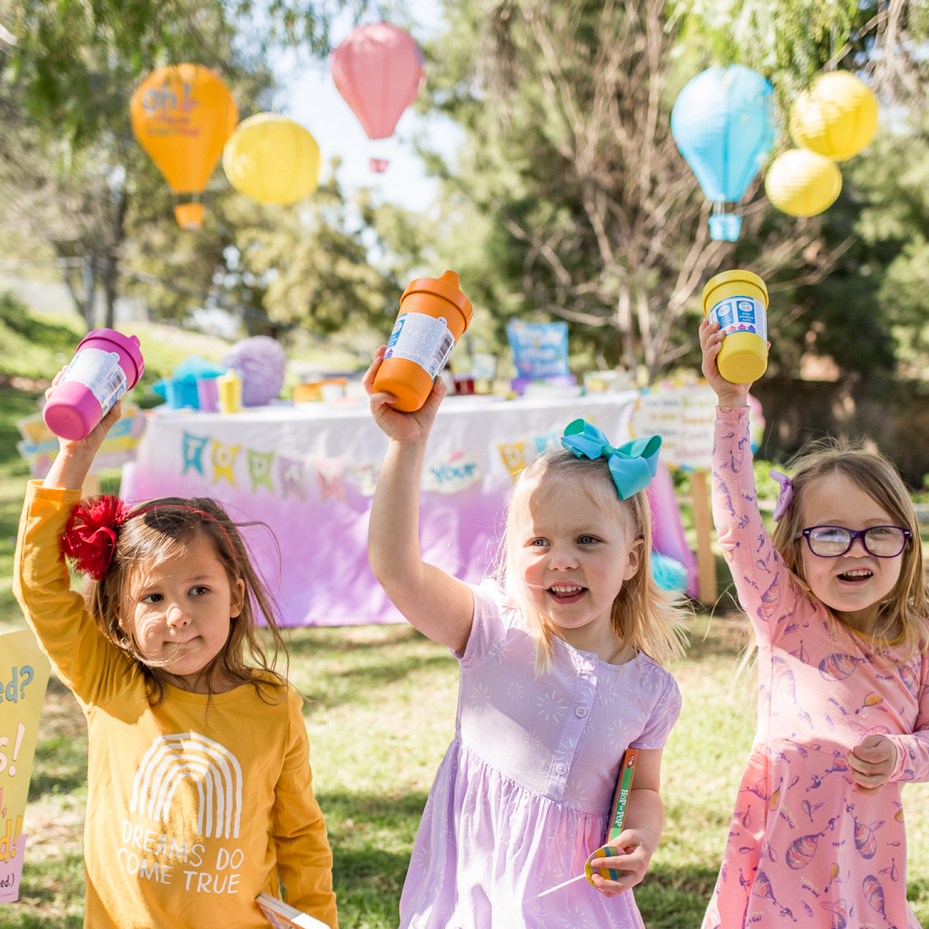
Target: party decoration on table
260, 361
379, 70
618, 816
182, 116
39, 445
24, 671
259, 469
192, 449
738, 301
329, 473
191, 384
802, 183
836, 117
223, 460
229, 391
272, 159
451, 474
290, 474
434, 314
723, 124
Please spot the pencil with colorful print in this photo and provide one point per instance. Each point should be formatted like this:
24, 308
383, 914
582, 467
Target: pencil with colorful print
620, 798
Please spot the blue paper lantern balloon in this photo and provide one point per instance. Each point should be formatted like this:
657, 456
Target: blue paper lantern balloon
723, 124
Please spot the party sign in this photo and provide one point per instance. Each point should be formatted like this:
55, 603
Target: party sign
24, 674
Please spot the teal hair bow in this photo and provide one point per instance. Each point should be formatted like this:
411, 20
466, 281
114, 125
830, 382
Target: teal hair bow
633, 465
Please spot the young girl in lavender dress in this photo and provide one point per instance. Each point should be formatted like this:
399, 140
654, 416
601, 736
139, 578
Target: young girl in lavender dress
559, 675
837, 603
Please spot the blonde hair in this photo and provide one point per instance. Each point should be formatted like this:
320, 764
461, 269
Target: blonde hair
644, 616
163, 529
877, 476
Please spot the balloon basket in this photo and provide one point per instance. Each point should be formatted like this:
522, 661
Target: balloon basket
725, 227
189, 215
377, 165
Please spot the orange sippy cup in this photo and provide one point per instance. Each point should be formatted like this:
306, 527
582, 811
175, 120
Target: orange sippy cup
737, 300
434, 314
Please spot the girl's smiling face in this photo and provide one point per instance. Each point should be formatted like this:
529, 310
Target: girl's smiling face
853, 584
573, 556
181, 610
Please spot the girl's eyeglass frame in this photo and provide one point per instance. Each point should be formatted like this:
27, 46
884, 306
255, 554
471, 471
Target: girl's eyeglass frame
852, 535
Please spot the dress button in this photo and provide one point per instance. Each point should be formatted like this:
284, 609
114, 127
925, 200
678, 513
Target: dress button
561, 769
580, 712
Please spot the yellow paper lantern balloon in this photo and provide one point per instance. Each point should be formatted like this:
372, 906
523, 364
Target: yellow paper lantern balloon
802, 183
182, 116
836, 117
272, 159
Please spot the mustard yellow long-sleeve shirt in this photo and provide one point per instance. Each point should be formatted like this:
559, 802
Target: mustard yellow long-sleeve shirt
195, 806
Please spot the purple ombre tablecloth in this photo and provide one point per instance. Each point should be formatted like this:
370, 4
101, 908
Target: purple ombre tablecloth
308, 473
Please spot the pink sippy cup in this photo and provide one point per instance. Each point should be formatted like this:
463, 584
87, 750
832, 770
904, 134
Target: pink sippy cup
105, 366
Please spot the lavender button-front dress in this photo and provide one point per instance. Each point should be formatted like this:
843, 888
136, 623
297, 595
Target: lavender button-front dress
523, 794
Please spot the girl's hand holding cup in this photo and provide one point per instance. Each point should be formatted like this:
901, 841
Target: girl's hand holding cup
401, 427
711, 342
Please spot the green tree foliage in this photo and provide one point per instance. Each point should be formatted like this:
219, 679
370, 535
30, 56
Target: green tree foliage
591, 214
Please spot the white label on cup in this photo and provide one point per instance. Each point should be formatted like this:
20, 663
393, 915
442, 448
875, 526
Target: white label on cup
421, 339
740, 314
101, 373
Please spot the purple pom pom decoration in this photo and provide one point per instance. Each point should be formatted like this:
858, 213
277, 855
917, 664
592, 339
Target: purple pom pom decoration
260, 363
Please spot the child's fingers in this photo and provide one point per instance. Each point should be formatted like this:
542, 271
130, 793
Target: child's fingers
369, 375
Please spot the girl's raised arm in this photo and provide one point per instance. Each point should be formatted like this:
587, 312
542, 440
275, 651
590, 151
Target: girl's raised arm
437, 604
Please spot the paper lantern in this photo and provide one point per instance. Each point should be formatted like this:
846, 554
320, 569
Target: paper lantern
802, 183
378, 69
722, 122
836, 117
272, 159
182, 116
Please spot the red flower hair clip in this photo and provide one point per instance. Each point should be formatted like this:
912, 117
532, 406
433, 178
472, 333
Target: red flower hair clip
90, 536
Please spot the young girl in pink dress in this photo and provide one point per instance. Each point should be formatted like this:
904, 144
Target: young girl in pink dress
838, 606
559, 675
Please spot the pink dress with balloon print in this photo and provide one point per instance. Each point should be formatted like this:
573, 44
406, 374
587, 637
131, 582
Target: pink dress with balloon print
804, 847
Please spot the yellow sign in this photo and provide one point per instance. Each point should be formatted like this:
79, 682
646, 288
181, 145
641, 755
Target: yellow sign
24, 674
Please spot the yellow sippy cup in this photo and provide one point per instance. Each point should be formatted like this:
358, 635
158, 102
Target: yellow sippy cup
737, 300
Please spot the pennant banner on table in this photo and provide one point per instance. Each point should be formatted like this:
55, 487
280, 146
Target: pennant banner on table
451, 475
329, 477
193, 446
290, 472
259, 469
223, 460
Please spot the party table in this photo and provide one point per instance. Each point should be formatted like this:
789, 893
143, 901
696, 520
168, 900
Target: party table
305, 476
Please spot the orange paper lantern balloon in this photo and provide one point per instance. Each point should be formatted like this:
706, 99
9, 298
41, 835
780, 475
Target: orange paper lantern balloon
182, 116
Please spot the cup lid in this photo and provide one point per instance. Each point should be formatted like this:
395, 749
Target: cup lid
445, 286
127, 343
737, 276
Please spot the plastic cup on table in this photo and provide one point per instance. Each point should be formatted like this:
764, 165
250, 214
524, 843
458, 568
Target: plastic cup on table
105, 366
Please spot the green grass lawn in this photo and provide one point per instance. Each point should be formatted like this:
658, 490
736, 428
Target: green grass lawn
380, 708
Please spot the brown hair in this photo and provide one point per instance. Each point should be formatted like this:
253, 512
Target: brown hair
644, 616
879, 479
162, 529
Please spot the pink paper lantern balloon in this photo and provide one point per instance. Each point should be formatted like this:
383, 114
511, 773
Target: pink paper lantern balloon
379, 71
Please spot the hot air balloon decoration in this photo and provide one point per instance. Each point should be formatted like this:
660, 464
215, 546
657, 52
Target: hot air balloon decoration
379, 70
722, 122
272, 159
836, 117
182, 116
